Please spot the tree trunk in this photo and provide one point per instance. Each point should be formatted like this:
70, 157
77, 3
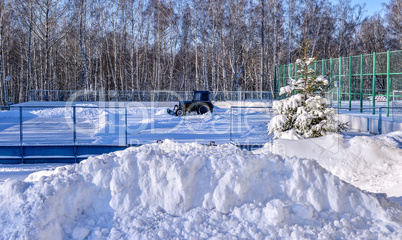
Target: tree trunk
1, 47
29, 53
262, 44
22, 85
83, 36
290, 34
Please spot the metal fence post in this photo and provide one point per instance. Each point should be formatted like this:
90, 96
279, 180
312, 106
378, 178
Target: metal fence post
379, 121
125, 120
350, 83
323, 67
279, 81
21, 138
373, 82
290, 70
231, 118
361, 83
284, 75
275, 80
340, 84
388, 81
74, 126
330, 80
75, 134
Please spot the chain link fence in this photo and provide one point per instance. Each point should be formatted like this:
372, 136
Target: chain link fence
364, 79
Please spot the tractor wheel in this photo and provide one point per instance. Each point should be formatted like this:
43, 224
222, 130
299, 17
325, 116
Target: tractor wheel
180, 112
203, 109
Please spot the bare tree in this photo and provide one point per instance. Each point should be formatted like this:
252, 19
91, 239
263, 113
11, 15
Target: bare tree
349, 19
236, 31
291, 19
50, 13
135, 13
372, 36
394, 18
262, 48
2, 77
275, 27
82, 6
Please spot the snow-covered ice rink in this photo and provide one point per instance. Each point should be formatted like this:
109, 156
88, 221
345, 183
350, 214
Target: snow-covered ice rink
105, 123
333, 187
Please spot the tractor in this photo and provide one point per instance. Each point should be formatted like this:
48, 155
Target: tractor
200, 104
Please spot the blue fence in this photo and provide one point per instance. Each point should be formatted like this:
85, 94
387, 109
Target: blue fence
24, 144
37, 134
73, 125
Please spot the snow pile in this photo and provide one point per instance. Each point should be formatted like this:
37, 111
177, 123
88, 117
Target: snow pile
189, 190
82, 110
53, 112
371, 163
16, 171
90, 119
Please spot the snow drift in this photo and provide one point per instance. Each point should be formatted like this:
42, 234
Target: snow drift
372, 163
173, 190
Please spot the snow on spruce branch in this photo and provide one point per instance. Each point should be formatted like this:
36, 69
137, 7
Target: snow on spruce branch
306, 113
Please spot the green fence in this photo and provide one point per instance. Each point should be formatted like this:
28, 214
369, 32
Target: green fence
365, 79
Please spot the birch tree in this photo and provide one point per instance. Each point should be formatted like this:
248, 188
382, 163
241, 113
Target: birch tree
349, 19
50, 13
372, 36
82, 8
2, 77
394, 18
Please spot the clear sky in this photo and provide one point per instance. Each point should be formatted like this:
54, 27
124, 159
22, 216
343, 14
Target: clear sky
372, 6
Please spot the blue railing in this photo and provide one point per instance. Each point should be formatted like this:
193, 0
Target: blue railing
74, 120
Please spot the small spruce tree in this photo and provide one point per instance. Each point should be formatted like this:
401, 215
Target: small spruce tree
305, 114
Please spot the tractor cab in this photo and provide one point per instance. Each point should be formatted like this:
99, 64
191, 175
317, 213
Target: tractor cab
201, 96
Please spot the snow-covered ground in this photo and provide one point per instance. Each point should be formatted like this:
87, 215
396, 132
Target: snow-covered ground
333, 187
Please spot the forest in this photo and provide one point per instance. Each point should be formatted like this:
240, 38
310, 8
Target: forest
177, 45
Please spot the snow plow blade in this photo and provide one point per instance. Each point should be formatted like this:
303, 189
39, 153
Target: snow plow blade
170, 111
